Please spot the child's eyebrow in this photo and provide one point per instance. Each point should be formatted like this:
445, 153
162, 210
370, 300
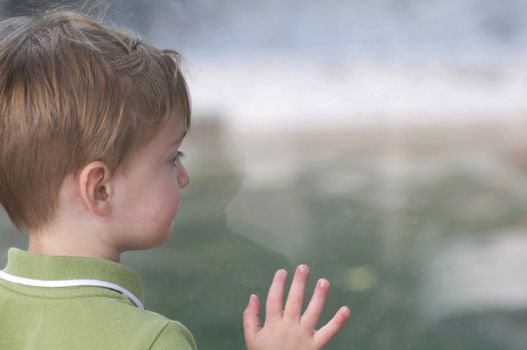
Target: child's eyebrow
176, 141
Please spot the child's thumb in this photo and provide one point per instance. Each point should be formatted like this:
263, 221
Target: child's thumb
251, 318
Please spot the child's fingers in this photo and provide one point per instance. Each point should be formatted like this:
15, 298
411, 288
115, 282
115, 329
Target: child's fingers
316, 305
293, 305
251, 318
273, 305
324, 334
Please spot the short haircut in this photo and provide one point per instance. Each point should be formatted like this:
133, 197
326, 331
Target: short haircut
74, 90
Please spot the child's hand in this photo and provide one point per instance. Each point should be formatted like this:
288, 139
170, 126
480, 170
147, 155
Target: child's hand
287, 329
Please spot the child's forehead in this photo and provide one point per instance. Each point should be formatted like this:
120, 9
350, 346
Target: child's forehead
173, 130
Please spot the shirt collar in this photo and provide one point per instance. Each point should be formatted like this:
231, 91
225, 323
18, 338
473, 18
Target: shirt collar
26, 264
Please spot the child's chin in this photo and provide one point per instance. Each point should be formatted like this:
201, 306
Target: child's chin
157, 239
163, 237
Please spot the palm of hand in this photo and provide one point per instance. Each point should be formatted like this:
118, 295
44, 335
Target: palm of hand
287, 328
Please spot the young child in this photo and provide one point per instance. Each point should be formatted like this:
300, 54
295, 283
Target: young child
91, 120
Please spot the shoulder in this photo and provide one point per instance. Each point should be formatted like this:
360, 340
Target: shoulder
147, 329
162, 332
174, 336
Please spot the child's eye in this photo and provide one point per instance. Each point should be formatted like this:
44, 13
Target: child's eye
177, 157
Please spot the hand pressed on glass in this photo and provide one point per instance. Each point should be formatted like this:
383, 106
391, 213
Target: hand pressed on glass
287, 328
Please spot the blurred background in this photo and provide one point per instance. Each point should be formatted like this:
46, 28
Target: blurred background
381, 142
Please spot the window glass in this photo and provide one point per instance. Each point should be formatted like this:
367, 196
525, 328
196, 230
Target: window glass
383, 143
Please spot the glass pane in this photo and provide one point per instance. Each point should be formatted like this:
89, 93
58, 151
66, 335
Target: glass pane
382, 143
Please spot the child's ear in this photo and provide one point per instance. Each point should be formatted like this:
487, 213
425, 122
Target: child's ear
95, 187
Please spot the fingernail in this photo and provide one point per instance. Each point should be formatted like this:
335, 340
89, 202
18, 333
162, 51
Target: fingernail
345, 311
323, 283
252, 298
281, 273
302, 268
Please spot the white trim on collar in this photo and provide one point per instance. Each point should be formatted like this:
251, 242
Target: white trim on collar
71, 283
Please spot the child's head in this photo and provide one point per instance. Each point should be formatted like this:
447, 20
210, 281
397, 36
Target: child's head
75, 92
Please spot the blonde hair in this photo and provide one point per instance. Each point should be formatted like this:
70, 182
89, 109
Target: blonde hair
74, 90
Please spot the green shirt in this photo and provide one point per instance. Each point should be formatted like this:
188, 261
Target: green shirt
70, 303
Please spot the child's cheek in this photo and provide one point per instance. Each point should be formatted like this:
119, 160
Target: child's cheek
170, 205
174, 205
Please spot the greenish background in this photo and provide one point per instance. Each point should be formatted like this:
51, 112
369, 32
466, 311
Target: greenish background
380, 142
418, 196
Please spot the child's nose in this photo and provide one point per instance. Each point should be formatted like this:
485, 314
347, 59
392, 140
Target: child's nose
183, 178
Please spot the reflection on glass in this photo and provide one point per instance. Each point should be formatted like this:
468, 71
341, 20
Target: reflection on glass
383, 143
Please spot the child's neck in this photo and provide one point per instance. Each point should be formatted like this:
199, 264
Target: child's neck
70, 244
